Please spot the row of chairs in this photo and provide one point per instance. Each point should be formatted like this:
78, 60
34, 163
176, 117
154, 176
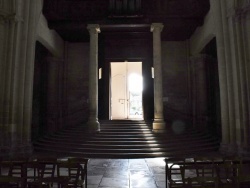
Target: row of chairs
207, 172
44, 173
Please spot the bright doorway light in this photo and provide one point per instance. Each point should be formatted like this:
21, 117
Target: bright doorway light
135, 83
135, 88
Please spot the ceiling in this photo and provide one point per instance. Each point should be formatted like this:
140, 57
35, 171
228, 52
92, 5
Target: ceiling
71, 17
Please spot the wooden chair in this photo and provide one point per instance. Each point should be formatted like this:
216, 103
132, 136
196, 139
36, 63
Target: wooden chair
34, 174
243, 180
243, 175
84, 163
12, 174
199, 175
228, 175
173, 172
72, 172
11, 182
50, 164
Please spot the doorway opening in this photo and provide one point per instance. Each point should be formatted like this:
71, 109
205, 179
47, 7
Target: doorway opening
126, 90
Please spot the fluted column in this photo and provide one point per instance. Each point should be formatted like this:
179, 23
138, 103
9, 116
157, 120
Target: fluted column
8, 27
240, 20
159, 123
93, 123
17, 63
232, 106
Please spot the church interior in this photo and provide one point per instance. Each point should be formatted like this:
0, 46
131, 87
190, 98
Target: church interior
125, 83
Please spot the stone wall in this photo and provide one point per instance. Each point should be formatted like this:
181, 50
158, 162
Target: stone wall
77, 82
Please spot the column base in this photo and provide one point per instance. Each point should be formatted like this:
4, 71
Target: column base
159, 125
228, 149
93, 126
244, 151
16, 151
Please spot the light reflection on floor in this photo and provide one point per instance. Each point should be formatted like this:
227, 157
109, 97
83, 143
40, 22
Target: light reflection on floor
126, 173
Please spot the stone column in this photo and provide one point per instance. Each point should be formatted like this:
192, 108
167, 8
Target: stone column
242, 63
8, 27
232, 146
93, 123
18, 65
159, 123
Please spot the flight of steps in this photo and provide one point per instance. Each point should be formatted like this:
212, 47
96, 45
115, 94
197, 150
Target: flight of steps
125, 139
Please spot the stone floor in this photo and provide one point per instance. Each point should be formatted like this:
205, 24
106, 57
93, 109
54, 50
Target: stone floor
126, 173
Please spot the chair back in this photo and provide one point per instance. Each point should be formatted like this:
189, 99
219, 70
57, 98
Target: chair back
71, 171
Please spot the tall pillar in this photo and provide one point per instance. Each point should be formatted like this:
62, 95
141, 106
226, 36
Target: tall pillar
243, 72
232, 146
159, 123
93, 123
17, 63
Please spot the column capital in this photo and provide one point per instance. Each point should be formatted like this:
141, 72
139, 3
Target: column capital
155, 26
94, 28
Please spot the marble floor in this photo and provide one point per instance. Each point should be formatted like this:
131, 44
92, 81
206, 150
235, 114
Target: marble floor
126, 173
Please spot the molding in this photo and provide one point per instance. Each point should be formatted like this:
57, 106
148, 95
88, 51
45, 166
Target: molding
6, 17
245, 5
242, 8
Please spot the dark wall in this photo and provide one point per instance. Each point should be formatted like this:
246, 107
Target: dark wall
205, 90
77, 83
39, 107
213, 89
175, 80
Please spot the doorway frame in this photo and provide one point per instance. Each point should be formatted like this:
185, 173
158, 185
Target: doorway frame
130, 67
104, 88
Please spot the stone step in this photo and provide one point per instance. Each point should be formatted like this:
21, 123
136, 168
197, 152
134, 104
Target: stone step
125, 138
138, 145
142, 137
91, 154
129, 141
71, 148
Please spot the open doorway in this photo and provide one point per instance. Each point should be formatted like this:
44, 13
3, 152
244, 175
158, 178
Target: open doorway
126, 90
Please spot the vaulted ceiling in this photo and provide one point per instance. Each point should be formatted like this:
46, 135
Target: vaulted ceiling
71, 17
